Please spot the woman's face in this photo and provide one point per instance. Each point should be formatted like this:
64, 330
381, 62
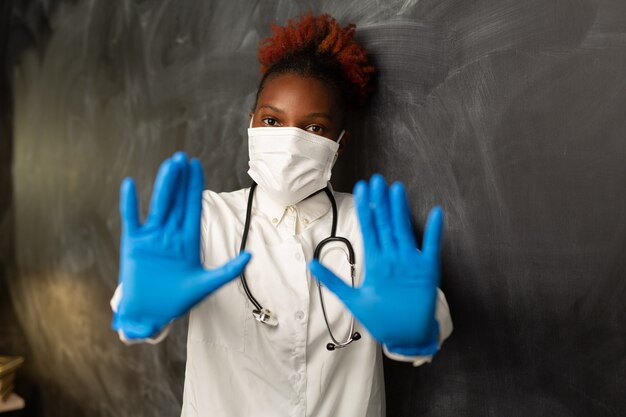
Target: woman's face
296, 101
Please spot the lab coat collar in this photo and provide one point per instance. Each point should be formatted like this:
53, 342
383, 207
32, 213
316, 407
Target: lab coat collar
309, 209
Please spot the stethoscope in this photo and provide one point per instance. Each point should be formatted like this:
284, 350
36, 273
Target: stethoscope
264, 315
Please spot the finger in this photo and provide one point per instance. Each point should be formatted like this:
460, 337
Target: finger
163, 191
193, 209
431, 245
129, 207
382, 216
177, 213
345, 292
215, 278
401, 218
366, 218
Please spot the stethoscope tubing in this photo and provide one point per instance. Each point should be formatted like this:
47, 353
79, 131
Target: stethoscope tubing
266, 316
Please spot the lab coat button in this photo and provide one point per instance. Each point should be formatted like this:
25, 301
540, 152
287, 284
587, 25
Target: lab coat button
274, 220
299, 315
305, 221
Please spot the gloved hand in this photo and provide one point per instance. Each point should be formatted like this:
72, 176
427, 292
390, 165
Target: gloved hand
397, 299
160, 269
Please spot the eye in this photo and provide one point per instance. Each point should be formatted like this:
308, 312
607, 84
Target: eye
317, 129
270, 121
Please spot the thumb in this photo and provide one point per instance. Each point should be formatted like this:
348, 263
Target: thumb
431, 245
213, 279
331, 281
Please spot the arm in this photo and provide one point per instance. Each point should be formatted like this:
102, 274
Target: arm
161, 275
398, 301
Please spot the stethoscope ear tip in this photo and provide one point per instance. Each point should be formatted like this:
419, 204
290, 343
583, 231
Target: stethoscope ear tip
330, 346
356, 336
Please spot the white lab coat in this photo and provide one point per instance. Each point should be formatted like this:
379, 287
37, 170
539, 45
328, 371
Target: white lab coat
239, 367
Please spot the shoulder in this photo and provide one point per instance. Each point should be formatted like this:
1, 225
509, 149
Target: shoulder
226, 206
345, 201
223, 217
346, 208
233, 199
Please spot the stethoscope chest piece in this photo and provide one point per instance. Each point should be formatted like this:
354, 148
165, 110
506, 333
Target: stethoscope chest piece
265, 316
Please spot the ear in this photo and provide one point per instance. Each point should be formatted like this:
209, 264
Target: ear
344, 141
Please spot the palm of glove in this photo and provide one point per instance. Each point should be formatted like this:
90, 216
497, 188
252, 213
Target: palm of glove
397, 299
153, 264
160, 269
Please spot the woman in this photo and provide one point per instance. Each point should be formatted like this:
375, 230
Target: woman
285, 362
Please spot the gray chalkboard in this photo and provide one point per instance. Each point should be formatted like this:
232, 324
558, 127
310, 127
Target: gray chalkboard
510, 114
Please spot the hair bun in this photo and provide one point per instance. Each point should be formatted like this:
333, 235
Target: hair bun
322, 37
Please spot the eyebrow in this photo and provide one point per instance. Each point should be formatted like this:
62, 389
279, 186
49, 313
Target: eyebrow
276, 109
308, 116
319, 114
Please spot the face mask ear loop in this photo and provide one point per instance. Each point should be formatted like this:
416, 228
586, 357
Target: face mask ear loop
251, 120
339, 140
341, 136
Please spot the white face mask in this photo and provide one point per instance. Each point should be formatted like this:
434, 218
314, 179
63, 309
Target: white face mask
289, 163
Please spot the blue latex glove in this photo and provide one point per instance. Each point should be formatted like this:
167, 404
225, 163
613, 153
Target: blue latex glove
160, 269
397, 299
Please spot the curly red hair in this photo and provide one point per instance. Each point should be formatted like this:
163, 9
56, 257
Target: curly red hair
323, 38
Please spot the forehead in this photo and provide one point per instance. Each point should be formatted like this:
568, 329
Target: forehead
298, 94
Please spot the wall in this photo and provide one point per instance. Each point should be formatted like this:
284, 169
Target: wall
509, 114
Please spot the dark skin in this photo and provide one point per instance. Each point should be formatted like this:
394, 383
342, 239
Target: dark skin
293, 100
